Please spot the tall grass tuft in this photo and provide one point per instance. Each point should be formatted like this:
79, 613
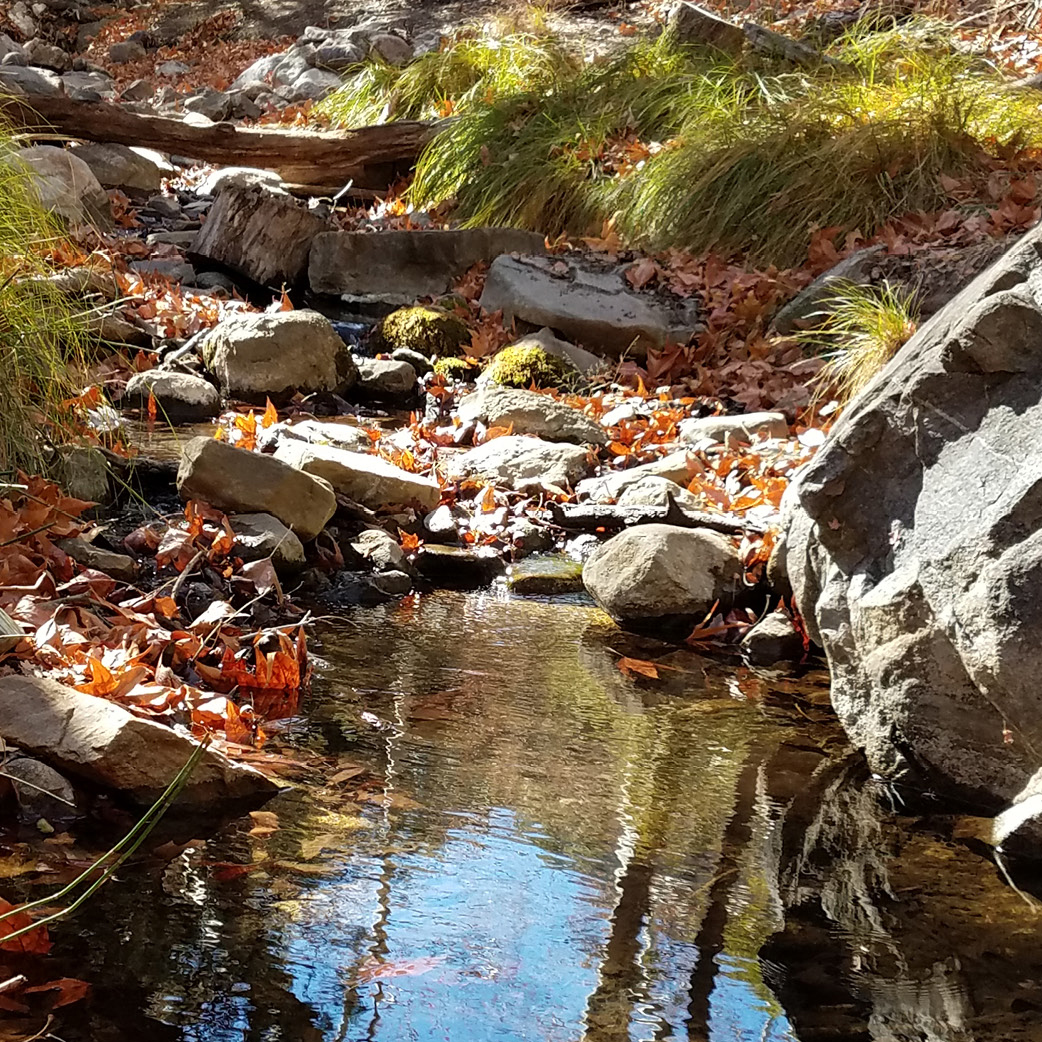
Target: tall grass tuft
41, 335
743, 157
864, 327
471, 69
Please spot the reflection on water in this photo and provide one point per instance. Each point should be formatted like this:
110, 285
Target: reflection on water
561, 853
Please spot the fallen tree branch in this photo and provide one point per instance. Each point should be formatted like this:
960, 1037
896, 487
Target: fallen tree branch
367, 155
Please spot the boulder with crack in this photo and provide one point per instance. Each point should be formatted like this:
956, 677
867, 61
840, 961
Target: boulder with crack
914, 546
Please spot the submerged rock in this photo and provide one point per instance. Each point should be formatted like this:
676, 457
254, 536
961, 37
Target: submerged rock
663, 573
914, 550
241, 482
254, 356
457, 568
546, 576
101, 743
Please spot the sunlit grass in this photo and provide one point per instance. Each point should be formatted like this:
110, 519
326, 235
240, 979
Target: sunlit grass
743, 157
41, 334
863, 328
471, 69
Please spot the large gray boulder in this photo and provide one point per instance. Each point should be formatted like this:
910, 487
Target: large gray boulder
103, 744
254, 355
365, 478
65, 185
663, 573
914, 546
517, 462
120, 166
242, 482
594, 306
528, 412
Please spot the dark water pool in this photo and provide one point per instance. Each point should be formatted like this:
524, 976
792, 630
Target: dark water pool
558, 852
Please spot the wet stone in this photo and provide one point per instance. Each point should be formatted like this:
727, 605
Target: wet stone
458, 568
547, 576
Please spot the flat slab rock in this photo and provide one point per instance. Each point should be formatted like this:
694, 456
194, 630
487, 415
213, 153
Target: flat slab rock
593, 305
242, 482
101, 743
365, 478
400, 267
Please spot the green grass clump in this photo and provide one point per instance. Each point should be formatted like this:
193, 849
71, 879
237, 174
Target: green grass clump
528, 365
744, 157
41, 332
470, 69
431, 331
864, 327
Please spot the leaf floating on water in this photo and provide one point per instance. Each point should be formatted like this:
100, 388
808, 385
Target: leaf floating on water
35, 942
372, 969
69, 990
223, 871
265, 822
638, 667
346, 774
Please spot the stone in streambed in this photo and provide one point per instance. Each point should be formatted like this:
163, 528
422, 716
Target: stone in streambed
120, 166
241, 482
527, 412
382, 379
254, 356
65, 185
258, 536
367, 479
514, 461
120, 567
546, 576
457, 568
179, 397
733, 431
772, 640
101, 743
663, 573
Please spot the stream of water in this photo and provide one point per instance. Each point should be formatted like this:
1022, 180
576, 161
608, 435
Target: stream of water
559, 852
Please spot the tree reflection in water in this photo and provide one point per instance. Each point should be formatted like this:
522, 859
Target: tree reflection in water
564, 853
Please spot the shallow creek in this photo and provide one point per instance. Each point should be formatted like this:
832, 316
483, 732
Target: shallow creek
562, 853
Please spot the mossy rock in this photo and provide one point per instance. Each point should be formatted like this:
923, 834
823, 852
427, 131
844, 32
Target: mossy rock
431, 331
525, 365
457, 369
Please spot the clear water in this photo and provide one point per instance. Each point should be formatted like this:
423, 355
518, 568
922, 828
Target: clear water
559, 852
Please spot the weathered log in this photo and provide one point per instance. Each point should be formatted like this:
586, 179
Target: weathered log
364, 155
261, 234
591, 517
